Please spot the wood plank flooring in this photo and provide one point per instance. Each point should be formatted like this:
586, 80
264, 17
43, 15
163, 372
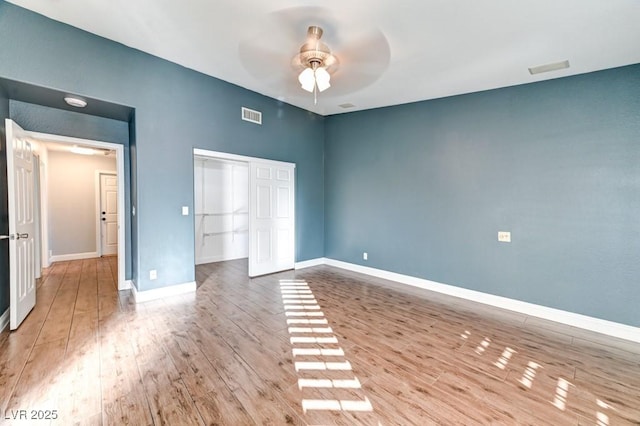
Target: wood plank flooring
308, 347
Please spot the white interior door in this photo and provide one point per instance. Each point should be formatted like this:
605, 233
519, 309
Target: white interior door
20, 178
108, 214
272, 219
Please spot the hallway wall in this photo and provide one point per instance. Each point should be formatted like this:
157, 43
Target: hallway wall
72, 202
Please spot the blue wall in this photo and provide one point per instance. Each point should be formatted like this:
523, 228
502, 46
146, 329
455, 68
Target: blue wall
424, 188
176, 110
4, 209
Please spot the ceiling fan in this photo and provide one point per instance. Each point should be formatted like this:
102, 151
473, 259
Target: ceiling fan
316, 63
342, 55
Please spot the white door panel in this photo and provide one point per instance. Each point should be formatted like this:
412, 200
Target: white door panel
271, 222
263, 202
108, 214
263, 246
283, 202
20, 177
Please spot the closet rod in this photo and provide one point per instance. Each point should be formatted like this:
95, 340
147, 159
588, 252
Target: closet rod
222, 214
212, 234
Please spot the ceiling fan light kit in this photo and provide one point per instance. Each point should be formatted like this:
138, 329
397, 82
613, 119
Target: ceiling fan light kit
317, 63
75, 101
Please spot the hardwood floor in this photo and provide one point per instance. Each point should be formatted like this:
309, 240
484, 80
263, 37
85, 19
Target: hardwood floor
314, 346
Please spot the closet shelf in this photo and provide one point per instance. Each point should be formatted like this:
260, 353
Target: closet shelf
212, 234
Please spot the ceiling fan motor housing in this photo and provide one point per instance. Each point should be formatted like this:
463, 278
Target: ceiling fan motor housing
314, 53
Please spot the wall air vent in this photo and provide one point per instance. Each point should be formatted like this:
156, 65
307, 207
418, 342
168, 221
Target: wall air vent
251, 115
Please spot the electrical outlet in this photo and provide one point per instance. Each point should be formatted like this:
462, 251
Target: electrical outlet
504, 236
153, 274
365, 256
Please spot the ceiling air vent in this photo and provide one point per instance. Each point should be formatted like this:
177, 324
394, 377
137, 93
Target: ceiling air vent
251, 115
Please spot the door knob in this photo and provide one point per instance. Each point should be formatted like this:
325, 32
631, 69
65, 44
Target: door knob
6, 237
104, 212
104, 218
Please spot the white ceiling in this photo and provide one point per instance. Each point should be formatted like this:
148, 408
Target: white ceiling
416, 49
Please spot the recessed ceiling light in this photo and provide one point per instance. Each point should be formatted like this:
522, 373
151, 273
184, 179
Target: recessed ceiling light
549, 67
82, 150
75, 101
347, 105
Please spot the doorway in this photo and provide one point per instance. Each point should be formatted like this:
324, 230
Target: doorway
236, 196
221, 208
114, 203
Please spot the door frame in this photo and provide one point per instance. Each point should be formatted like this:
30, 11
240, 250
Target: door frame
37, 214
98, 183
245, 159
119, 149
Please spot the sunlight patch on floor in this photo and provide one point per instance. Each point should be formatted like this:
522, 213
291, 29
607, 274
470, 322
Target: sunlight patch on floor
308, 329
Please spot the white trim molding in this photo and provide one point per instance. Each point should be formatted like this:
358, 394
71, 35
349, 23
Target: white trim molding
241, 158
610, 328
311, 262
73, 256
4, 320
160, 293
126, 285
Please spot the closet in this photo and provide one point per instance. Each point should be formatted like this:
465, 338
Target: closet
221, 210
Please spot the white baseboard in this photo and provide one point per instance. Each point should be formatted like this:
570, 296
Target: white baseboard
126, 285
310, 263
73, 256
4, 320
598, 325
159, 293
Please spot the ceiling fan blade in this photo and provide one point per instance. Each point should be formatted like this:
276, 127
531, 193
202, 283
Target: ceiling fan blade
263, 60
362, 61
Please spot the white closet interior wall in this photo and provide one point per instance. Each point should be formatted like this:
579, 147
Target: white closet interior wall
222, 210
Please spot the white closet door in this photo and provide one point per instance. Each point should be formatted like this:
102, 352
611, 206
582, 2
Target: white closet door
272, 221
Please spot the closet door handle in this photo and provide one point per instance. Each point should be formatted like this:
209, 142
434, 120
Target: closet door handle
22, 236
7, 237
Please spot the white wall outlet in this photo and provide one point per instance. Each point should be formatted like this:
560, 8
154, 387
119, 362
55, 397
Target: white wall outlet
185, 210
153, 274
504, 236
365, 256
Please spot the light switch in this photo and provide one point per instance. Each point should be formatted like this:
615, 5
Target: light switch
504, 236
185, 210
